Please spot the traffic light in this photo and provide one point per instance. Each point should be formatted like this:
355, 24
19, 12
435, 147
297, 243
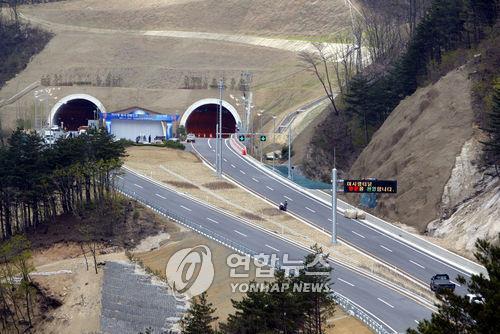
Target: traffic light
263, 138
241, 137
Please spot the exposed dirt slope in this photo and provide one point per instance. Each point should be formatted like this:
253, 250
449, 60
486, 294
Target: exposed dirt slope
298, 17
417, 145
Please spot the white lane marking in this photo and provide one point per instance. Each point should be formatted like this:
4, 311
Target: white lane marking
120, 177
386, 303
233, 166
288, 198
330, 220
240, 233
269, 188
359, 306
416, 321
274, 249
160, 196
417, 264
310, 210
225, 160
213, 150
359, 235
455, 283
309, 197
138, 186
209, 143
186, 208
387, 249
253, 178
340, 279
213, 221
242, 172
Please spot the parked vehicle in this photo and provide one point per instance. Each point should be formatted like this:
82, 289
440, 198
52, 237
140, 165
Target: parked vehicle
191, 138
441, 282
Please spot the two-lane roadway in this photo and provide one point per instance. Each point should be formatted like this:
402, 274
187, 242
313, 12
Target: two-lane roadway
415, 263
396, 311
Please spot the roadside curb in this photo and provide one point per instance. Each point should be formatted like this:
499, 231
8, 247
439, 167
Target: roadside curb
401, 235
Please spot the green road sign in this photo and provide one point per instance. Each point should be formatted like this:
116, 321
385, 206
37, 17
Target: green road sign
263, 138
241, 137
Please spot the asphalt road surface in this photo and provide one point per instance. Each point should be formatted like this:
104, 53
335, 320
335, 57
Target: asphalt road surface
413, 262
396, 311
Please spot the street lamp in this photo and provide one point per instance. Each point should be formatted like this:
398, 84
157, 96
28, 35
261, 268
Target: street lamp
260, 132
274, 140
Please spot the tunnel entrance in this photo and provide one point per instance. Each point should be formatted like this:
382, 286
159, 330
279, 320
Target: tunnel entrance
202, 121
75, 113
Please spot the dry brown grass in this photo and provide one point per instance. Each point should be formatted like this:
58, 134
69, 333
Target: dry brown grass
178, 166
180, 184
220, 293
219, 185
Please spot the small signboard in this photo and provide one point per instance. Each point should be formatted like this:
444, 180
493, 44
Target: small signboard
371, 186
263, 138
241, 137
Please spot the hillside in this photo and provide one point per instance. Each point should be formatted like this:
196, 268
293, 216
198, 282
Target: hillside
263, 17
417, 145
430, 145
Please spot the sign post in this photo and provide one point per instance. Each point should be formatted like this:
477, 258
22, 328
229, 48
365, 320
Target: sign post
334, 206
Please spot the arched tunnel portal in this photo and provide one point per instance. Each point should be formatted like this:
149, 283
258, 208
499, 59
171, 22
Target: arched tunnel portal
201, 118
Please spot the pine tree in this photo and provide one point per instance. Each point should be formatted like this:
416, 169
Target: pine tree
316, 304
492, 145
458, 314
199, 317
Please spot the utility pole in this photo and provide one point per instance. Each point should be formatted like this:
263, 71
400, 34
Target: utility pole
290, 151
216, 161
219, 169
334, 206
260, 114
274, 140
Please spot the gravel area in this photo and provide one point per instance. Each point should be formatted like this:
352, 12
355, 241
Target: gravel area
131, 302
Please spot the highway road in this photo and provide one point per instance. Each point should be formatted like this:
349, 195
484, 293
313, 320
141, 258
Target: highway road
394, 310
415, 263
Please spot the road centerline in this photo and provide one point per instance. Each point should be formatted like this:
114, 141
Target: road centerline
243, 234
359, 235
387, 249
417, 264
386, 303
212, 220
186, 208
274, 249
344, 281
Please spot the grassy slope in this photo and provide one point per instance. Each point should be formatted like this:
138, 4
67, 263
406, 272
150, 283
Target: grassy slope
417, 145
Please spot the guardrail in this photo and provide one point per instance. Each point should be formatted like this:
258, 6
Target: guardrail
347, 305
354, 310
190, 224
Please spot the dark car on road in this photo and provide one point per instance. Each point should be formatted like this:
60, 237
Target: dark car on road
441, 282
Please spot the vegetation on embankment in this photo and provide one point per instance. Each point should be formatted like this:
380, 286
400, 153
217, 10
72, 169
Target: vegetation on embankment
448, 35
40, 182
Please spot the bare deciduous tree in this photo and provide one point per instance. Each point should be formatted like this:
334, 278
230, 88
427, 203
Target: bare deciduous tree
317, 61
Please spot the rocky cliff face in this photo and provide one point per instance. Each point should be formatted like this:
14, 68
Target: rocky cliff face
418, 145
431, 145
470, 206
